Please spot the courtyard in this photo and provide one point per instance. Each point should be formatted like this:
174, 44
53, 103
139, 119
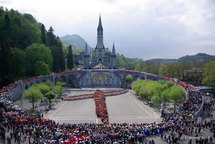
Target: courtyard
121, 108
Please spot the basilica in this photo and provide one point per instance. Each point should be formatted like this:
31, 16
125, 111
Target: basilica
100, 57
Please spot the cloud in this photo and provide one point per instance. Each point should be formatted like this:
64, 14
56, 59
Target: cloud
144, 29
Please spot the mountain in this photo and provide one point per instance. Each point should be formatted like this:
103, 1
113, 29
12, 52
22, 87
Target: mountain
74, 40
200, 57
159, 60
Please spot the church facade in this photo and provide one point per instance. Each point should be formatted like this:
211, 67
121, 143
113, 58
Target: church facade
100, 57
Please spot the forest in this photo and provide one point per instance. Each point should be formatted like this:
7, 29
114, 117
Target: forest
27, 48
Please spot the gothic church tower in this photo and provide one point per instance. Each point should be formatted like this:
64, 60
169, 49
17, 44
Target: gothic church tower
100, 55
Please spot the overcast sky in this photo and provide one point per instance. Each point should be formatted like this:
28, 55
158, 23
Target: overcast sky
140, 28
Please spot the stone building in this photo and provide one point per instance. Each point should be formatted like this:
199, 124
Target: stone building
100, 56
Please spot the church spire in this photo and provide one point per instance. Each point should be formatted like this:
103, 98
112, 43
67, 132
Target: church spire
113, 50
100, 28
100, 21
100, 44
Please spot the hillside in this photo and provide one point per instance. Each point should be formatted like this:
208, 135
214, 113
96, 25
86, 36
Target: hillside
200, 57
75, 50
74, 40
128, 63
159, 60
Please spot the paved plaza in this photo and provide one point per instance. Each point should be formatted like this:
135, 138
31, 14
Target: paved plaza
80, 111
127, 108
121, 108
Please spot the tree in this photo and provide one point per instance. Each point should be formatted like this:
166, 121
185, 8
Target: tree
151, 90
5, 51
176, 93
70, 62
63, 84
42, 68
128, 78
147, 66
53, 45
136, 86
36, 85
44, 88
158, 91
49, 83
5, 64
61, 56
155, 99
58, 89
165, 95
43, 34
18, 62
32, 94
55, 54
169, 84
209, 74
20, 30
37, 52
50, 37
50, 95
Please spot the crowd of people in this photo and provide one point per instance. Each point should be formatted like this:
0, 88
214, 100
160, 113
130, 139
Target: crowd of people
100, 104
85, 96
21, 126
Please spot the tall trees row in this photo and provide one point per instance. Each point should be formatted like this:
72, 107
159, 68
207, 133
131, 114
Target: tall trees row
158, 91
209, 74
177, 69
174, 69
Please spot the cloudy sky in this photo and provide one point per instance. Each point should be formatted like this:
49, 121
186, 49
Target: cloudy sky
139, 28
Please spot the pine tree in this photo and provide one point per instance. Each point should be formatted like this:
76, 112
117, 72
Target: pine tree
50, 37
53, 45
55, 55
6, 30
61, 57
5, 64
43, 34
70, 63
